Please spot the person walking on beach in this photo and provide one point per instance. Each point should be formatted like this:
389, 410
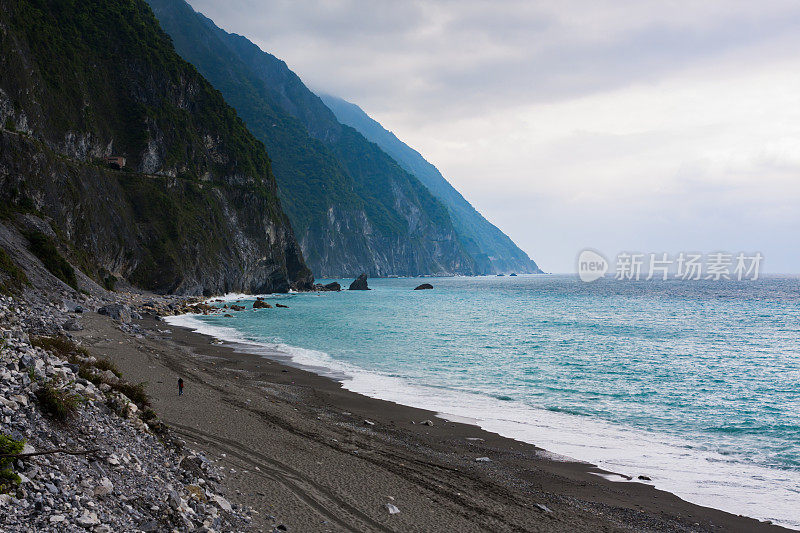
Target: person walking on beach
180, 386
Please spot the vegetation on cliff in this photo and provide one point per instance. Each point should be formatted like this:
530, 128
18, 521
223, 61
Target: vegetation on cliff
196, 208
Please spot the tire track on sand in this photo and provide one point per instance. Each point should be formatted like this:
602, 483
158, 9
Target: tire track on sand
312, 494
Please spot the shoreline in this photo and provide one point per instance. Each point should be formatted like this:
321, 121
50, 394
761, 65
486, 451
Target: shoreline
662, 462
433, 462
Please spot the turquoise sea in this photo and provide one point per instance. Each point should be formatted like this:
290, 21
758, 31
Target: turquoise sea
693, 384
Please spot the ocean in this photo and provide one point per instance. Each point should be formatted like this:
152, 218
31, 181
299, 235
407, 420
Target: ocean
694, 384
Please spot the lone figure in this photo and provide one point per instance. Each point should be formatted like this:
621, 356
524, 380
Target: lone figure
180, 386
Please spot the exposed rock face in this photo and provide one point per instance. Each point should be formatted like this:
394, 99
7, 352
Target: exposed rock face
352, 207
360, 283
116, 311
424, 286
197, 213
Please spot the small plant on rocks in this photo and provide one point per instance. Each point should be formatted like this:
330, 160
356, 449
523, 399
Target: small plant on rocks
57, 402
8, 478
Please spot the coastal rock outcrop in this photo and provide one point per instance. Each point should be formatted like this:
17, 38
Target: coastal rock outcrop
333, 286
360, 284
423, 287
116, 311
261, 304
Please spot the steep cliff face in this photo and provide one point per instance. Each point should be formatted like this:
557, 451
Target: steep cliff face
493, 251
352, 207
196, 208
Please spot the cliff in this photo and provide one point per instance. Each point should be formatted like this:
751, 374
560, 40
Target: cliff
493, 251
353, 208
195, 210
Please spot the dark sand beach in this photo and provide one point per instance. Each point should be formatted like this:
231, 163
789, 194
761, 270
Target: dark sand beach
309, 455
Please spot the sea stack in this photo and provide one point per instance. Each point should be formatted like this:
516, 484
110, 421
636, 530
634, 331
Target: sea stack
360, 284
424, 286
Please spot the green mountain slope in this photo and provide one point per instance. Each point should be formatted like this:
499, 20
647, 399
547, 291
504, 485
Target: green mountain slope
352, 207
492, 249
196, 210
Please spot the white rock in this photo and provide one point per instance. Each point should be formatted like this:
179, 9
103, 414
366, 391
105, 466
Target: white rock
87, 519
28, 448
20, 399
392, 508
104, 488
113, 459
221, 502
57, 518
483, 460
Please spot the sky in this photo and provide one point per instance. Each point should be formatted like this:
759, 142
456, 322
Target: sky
638, 126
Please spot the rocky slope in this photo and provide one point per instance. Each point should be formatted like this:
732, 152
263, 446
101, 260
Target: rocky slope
352, 207
493, 251
116, 468
195, 210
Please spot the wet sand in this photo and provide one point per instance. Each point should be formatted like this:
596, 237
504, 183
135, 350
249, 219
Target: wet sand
298, 450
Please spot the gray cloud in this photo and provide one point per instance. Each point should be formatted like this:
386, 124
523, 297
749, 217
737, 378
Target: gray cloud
442, 59
668, 124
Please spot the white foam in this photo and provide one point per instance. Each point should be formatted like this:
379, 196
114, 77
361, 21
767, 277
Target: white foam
699, 476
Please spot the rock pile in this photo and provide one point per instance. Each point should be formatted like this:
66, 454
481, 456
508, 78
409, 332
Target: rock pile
110, 470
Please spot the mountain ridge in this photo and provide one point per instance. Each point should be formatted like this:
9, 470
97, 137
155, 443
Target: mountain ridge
353, 208
492, 249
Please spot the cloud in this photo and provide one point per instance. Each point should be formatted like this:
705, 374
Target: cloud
663, 122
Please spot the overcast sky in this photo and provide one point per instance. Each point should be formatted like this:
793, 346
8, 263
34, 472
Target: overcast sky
660, 126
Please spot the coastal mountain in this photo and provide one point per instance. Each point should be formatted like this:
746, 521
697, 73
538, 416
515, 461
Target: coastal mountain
493, 251
352, 207
193, 208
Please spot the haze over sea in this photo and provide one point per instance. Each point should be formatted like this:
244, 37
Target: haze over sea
693, 384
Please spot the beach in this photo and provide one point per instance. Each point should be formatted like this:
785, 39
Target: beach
311, 456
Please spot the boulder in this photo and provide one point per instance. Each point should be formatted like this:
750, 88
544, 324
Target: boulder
333, 286
282, 306
104, 488
424, 286
261, 304
116, 311
360, 284
72, 325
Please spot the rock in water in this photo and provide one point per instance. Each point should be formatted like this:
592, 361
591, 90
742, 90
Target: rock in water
260, 304
423, 287
360, 284
332, 286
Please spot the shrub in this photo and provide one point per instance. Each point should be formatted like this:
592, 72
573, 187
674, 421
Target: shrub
42, 247
58, 403
61, 346
105, 364
134, 392
7, 476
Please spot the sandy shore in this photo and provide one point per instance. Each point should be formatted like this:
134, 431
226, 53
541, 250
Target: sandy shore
297, 448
